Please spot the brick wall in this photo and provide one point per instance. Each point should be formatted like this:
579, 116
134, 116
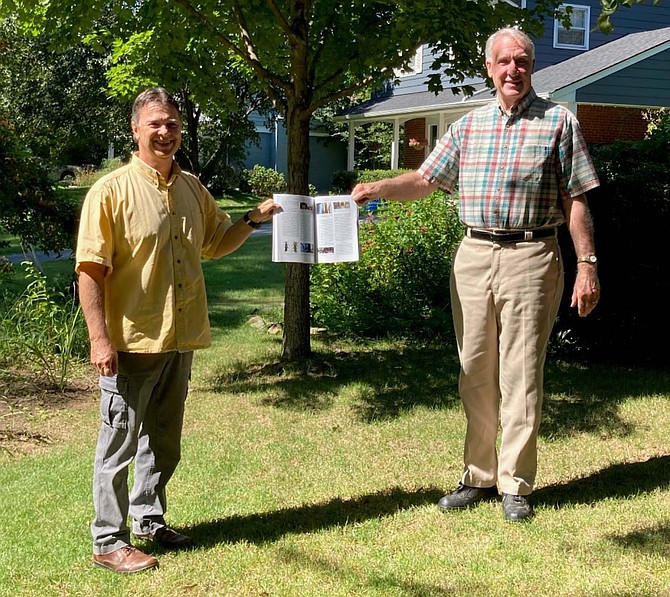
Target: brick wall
605, 124
414, 129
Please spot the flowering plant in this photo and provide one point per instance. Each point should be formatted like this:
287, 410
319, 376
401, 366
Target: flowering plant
417, 143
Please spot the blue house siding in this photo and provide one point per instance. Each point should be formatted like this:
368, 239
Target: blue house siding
639, 17
327, 154
417, 83
652, 85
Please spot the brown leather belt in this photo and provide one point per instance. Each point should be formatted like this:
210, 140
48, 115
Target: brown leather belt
509, 236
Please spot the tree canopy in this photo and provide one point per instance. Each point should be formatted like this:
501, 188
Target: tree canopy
303, 54
57, 101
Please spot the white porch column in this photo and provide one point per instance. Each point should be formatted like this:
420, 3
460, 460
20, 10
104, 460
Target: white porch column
443, 125
395, 146
351, 146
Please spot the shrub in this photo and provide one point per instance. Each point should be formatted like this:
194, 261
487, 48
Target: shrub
344, 181
264, 181
400, 286
86, 177
631, 213
42, 329
29, 208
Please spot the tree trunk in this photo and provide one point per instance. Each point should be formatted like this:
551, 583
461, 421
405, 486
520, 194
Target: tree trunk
296, 343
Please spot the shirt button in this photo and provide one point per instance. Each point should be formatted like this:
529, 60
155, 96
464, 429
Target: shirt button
176, 237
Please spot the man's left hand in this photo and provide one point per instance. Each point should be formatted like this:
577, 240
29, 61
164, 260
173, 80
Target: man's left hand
586, 292
264, 211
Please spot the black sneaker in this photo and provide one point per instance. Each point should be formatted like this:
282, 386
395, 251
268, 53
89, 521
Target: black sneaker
516, 507
465, 496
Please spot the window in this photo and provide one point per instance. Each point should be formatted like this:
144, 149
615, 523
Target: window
434, 138
415, 65
577, 36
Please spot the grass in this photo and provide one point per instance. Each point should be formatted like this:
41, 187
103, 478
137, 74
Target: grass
320, 478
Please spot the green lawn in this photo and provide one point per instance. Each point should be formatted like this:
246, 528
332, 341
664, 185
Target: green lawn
321, 478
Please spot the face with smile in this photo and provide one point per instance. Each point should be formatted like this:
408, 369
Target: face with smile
510, 67
158, 135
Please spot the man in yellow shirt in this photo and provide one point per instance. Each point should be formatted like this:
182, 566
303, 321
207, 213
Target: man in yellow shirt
144, 229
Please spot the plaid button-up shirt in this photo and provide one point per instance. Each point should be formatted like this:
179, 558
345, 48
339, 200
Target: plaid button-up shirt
513, 170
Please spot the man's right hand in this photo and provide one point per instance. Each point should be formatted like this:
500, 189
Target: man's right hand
364, 192
104, 357
406, 187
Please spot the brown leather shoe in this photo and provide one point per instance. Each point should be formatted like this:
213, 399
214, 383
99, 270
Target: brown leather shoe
168, 538
125, 560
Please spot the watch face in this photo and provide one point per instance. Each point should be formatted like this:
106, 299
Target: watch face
588, 259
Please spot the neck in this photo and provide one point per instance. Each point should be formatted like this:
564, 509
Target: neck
164, 167
165, 170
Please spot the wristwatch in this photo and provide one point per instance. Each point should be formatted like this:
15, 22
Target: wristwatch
249, 222
592, 259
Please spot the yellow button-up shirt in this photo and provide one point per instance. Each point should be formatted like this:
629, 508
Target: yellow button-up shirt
151, 234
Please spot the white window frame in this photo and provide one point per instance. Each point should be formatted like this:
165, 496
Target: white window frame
415, 67
586, 10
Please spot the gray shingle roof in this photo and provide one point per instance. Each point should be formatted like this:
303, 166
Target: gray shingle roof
602, 60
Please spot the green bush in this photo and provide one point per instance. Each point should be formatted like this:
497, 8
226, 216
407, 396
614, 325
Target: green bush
631, 214
400, 286
86, 177
29, 208
344, 181
42, 329
264, 181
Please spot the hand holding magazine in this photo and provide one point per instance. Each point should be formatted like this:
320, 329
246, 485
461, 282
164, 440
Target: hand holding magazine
320, 229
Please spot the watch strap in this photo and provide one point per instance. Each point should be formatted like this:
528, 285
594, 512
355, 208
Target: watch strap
587, 259
249, 222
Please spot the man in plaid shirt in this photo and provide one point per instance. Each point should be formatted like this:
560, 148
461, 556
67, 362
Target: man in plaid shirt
522, 169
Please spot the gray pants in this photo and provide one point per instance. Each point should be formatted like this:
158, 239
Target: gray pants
142, 411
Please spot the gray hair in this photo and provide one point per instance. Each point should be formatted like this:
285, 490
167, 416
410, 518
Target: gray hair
519, 36
153, 95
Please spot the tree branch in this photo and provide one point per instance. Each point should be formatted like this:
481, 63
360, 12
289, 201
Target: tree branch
248, 54
279, 17
325, 100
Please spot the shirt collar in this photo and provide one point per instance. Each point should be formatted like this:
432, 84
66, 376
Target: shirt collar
521, 106
153, 175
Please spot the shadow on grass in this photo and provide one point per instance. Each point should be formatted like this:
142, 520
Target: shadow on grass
624, 480
653, 540
387, 382
338, 512
380, 581
585, 398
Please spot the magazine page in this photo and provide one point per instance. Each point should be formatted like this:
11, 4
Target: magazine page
336, 228
293, 229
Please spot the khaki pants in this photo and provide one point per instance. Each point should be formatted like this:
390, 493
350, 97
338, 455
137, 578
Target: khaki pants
505, 297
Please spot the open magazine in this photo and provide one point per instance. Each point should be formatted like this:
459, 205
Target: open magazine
315, 229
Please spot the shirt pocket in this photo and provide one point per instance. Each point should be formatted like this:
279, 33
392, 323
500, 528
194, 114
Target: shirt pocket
113, 402
533, 162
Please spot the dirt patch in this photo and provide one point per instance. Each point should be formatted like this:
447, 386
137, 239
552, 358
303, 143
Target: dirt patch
35, 415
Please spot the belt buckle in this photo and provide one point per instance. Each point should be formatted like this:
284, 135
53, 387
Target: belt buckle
499, 234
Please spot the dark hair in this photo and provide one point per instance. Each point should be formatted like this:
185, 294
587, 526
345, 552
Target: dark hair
153, 95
